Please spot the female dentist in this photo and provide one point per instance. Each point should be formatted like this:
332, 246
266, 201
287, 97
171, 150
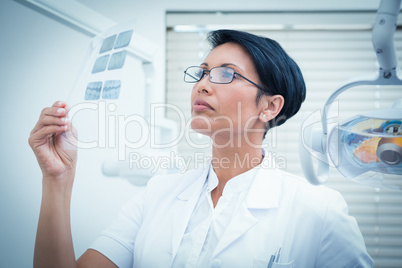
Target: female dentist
239, 211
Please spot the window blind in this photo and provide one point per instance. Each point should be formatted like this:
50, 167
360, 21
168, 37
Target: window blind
327, 56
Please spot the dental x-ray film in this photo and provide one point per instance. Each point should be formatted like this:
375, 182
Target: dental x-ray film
110, 86
102, 75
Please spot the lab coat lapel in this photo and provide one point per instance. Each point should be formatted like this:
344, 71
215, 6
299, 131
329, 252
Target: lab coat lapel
263, 194
241, 221
186, 201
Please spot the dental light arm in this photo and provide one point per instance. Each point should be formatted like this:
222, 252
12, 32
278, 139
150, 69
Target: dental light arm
383, 35
382, 39
383, 42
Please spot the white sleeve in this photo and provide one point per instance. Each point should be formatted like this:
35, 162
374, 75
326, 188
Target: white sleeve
117, 242
341, 243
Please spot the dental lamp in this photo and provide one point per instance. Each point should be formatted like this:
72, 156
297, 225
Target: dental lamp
368, 147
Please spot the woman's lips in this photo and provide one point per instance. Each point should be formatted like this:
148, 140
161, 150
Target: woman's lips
201, 105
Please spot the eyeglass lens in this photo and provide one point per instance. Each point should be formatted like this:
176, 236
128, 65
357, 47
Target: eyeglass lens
218, 75
193, 74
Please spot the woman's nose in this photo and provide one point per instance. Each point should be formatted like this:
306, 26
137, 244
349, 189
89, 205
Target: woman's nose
204, 85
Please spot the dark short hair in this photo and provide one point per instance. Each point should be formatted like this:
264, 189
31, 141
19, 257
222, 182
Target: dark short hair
278, 73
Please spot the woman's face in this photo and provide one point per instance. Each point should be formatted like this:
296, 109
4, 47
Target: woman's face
224, 111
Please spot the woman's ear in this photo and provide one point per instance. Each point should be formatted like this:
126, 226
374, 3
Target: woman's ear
271, 107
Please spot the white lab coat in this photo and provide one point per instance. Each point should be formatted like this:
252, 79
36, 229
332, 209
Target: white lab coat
309, 223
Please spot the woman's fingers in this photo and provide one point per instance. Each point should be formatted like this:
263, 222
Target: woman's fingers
54, 120
52, 140
51, 121
55, 115
41, 136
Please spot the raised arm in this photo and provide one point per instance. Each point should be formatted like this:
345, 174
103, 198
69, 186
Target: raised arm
53, 142
57, 158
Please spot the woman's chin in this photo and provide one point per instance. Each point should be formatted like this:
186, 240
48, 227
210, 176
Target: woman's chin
201, 126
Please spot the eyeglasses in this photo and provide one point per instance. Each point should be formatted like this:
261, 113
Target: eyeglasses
217, 75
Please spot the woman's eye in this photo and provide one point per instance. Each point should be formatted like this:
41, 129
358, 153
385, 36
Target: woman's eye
227, 74
200, 73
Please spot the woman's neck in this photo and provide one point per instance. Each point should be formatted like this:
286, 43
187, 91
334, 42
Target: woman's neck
229, 162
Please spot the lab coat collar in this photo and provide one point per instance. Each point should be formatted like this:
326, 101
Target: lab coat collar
194, 186
265, 190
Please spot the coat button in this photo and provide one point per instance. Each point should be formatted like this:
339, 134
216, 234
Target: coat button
216, 263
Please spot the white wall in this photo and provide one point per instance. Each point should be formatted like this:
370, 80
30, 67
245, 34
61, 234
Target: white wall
36, 63
39, 58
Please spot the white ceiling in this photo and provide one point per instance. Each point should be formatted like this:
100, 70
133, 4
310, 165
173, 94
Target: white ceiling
122, 10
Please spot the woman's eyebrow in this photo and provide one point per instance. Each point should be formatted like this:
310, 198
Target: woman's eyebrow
223, 65
231, 64
228, 64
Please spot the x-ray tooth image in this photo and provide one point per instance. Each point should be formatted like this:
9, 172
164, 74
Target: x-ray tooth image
107, 44
105, 66
100, 64
111, 89
117, 60
93, 91
123, 39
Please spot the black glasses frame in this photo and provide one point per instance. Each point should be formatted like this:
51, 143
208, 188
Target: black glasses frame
205, 71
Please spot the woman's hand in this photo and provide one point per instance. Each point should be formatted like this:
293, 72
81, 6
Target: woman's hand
53, 140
